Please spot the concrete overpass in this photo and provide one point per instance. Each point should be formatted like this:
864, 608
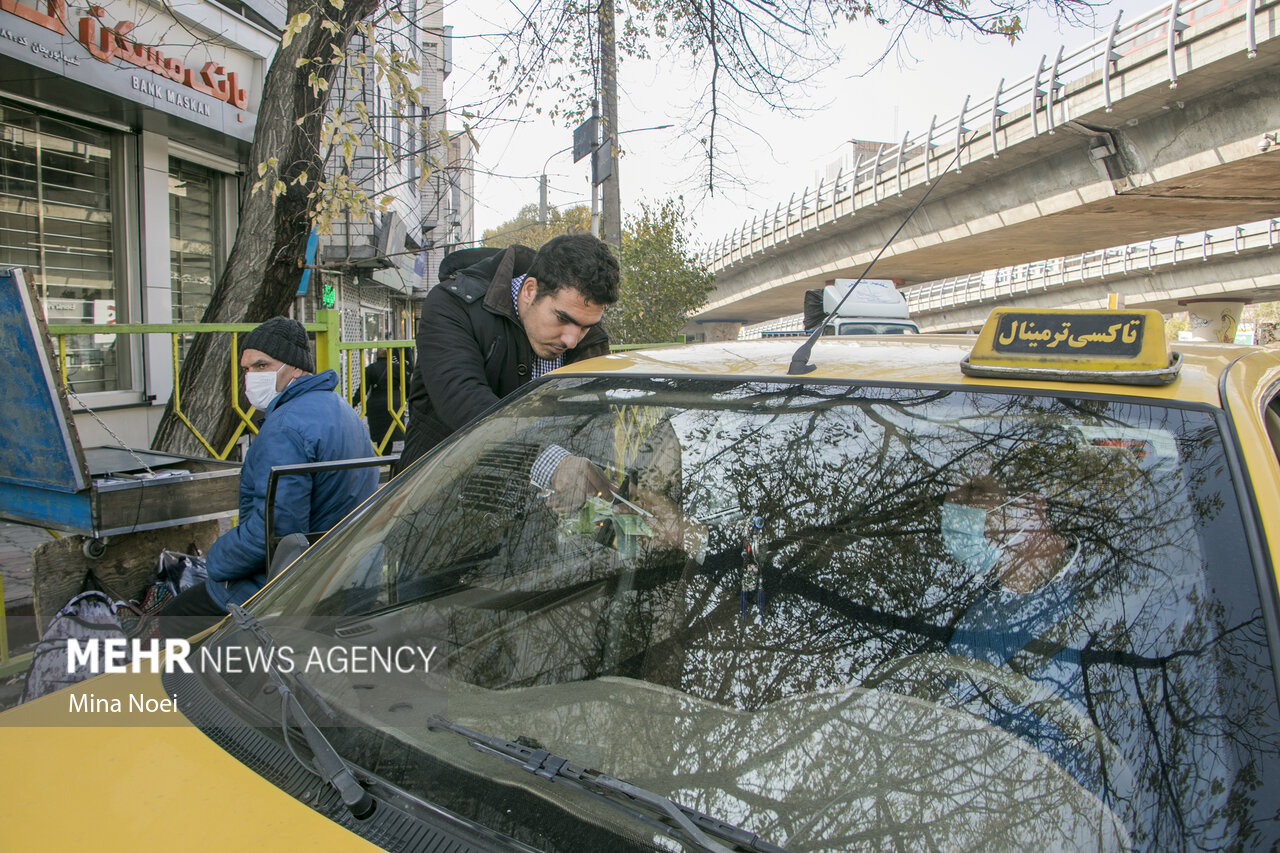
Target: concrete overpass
1155, 129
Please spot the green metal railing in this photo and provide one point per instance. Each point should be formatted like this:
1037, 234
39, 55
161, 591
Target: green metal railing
397, 385
329, 354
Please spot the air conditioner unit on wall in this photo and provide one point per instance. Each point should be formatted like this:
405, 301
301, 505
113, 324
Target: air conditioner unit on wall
391, 236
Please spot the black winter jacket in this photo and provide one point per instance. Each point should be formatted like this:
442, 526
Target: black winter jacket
384, 371
473, 351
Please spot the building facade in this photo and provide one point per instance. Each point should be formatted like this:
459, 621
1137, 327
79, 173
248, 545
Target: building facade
125, 128
377, 272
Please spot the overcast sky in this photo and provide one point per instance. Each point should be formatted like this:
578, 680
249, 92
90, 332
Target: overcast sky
788, 153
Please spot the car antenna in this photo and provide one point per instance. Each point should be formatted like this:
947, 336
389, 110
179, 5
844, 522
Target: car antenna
800, 359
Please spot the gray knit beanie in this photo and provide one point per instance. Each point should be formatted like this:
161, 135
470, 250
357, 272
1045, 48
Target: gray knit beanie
282, 339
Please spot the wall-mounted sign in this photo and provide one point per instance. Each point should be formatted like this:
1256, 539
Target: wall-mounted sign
121, 47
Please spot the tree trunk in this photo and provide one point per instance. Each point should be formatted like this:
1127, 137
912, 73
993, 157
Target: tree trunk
262, 272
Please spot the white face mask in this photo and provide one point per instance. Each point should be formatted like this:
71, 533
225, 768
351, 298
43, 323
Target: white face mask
260, 388
964, 536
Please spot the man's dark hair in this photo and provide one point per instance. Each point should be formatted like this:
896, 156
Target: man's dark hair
580, 261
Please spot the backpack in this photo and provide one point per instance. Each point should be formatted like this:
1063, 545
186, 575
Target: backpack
90, 615
456, 261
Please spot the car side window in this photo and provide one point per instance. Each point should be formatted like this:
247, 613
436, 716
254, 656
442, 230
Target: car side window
1271, 417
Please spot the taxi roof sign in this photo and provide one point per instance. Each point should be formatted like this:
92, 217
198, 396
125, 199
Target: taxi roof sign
1125, 347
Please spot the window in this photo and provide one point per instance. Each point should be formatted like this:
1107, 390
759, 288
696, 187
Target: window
195, 241
58, 218
395, 121
412, 153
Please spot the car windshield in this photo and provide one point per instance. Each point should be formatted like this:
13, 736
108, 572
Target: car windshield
872, 328
838, 616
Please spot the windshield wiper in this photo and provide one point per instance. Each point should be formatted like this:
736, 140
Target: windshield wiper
329, 765
693, 824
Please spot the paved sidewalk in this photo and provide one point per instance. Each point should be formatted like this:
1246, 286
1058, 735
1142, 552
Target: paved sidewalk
17, 541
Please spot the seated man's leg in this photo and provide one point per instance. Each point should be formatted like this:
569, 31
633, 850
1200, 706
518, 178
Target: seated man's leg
190, 613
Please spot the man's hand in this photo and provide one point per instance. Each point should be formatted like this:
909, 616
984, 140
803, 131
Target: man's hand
575, 480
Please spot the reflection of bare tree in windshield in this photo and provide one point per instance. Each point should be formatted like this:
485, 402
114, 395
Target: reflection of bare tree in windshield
887, 691
861, 581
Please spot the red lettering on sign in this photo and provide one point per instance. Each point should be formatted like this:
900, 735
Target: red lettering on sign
106, 43
53, 20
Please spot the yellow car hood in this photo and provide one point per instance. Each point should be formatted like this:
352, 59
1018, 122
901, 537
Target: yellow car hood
129, 781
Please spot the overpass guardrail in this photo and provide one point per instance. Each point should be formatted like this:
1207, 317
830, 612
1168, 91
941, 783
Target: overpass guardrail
1008, 282
1156, 45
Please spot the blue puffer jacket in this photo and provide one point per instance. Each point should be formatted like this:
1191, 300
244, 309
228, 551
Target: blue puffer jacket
307, 422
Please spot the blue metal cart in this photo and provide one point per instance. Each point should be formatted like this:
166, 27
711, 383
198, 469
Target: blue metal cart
48, 480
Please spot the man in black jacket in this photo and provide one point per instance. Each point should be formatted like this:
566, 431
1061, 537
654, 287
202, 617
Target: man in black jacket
500, 323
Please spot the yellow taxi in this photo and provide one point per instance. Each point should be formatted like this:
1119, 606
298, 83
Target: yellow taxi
1009, 592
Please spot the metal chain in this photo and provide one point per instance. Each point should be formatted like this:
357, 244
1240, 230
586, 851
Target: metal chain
119, 440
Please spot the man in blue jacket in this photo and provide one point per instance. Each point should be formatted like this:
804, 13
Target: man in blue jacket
305, 421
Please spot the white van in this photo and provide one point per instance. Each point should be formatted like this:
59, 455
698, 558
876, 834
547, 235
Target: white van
876, 307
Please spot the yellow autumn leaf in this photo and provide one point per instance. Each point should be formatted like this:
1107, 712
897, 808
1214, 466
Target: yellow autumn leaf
295, 26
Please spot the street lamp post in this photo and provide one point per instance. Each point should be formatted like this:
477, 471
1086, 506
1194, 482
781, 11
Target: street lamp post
542, 188
595, 193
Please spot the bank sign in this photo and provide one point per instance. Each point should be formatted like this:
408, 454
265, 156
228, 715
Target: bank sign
139, 52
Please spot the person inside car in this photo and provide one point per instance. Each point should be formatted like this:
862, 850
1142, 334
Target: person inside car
1023, 619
